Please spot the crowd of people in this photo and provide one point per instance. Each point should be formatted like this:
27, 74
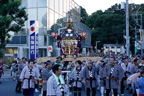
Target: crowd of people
111, 76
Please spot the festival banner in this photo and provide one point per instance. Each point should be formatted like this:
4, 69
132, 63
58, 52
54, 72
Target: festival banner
33, 39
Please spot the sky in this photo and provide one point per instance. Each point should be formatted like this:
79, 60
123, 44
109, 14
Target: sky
94, 5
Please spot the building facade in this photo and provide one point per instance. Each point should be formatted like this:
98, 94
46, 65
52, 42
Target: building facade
115, 48
52, 16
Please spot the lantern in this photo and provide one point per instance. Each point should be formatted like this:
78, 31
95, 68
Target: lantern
53, 34
84, 34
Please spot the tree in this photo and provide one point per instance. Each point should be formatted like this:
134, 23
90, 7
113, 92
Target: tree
108, 29
12, 19
91, 19
108, 26
84, 15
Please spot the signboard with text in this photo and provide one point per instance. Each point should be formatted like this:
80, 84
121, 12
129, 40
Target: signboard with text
33, 39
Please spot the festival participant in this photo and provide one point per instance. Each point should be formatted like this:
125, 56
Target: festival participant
37, 70
126, 69
102, 80
89, 78
46, 73
28, 76
24, 61
77, 76
18, 86
111, 73
1, 67
139, 82
55, 84
134, 68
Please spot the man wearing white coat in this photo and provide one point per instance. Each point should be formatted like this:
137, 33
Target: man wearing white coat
55, 84
28, 76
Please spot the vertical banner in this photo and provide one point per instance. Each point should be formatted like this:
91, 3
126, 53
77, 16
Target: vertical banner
33, 39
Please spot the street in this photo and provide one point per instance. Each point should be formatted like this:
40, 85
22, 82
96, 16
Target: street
7, 88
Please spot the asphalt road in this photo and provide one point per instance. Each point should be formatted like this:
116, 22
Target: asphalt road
7, 88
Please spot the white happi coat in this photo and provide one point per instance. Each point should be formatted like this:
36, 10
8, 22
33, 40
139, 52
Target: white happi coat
53, 88
25, 74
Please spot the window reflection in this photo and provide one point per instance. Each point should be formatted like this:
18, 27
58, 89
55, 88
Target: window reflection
42, 17
23, 39
23, 31
61, 7
15, 40
32, 3
51, 4
57, 5
68, 3
65, 6
42, 3
56, 26
51, 19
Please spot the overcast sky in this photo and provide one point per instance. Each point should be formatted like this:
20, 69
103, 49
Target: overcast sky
93, 5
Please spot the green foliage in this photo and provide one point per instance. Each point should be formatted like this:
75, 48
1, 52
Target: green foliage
91, 19
108, 26
108, 29
84, 15
12, 19
1, 54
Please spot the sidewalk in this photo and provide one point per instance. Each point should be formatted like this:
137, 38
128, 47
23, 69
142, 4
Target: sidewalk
7, 73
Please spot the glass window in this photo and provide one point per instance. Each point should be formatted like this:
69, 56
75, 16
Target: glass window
23, 39
56, 17
56, 27
60, 21
61, 7
51, 4
42, 3
32, 3
41, 40
51, 18
48, 19
72, 4
57, 5
118, 47
42, 18
112, 47
24, 3
40, 53
15, 40
23, 31
65, 6
68, 4
17, 33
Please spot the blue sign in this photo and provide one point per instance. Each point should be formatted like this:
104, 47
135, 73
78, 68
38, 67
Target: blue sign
33, 39
32, 46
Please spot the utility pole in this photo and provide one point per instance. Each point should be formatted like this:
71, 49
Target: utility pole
138, 20
127, 30
96, 46
141, 29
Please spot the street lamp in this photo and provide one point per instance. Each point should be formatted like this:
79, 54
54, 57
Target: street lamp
96, 45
